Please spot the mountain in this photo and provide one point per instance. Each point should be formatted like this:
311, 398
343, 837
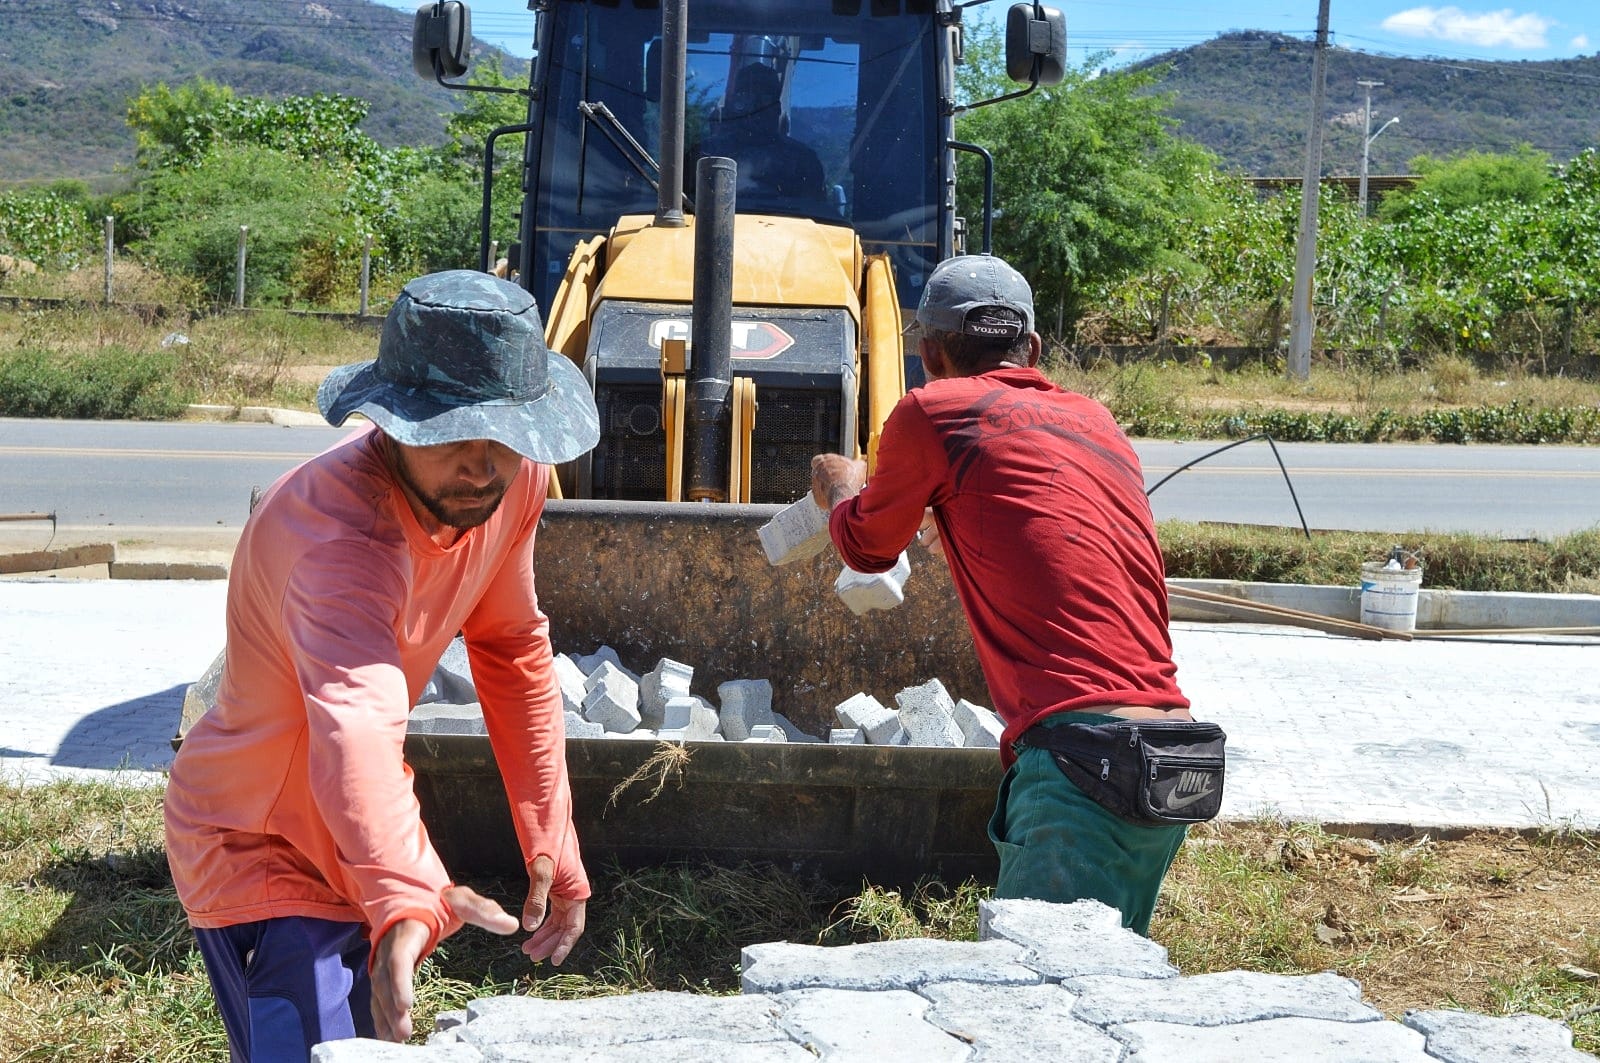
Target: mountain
1247, 97
68, 68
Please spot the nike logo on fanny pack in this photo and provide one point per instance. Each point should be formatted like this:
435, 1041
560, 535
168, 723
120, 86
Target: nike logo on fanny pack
1185, 802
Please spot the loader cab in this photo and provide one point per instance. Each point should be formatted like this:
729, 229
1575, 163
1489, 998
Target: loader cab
831, 109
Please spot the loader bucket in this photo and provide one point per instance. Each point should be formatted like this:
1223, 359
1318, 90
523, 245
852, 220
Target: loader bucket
691, 582
888, 814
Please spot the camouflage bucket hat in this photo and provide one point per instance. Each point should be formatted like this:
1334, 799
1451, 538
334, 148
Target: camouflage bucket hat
463, 357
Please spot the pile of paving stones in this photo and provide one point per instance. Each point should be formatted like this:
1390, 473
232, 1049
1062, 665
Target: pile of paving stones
1046, 982
604, 699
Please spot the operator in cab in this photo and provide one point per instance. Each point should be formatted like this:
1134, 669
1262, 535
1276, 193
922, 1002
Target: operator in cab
1035, 499
772, 164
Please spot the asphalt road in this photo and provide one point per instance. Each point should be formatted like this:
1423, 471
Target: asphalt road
137, 475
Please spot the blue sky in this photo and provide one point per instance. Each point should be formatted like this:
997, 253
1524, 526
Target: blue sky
1536, 29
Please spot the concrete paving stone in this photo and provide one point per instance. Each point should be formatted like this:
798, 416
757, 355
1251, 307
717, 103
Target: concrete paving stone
1219, 999
863, 592
879, 723
440, 718
1272, 1041
1017, 1024
981, 728
578, 727
589, 662
791, 730
767, 732
572, 679
848, 1026
796, 532
703, 720
669, 679
846, 736
603, 1021
674, 715
612, 699
366, 1050
744, 704
1072, 940
1467, 1037
675, 1050
778, 966
927, 714
451, 681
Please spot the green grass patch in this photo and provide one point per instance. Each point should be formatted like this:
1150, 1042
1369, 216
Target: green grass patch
111, 383
1564, 565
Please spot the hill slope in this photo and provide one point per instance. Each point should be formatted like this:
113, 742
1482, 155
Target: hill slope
1247, 96
68, 67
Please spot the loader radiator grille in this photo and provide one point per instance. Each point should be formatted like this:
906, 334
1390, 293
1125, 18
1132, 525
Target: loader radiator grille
792, 424
630, 461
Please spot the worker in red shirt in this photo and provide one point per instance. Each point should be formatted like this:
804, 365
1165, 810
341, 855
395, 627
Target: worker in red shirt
295, 841
1035, 499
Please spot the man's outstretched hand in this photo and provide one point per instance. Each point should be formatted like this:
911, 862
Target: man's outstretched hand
554, 933
400, 951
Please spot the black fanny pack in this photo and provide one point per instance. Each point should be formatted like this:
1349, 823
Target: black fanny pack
1155, 773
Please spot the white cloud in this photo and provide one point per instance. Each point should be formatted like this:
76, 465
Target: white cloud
1579, 43
1490, 29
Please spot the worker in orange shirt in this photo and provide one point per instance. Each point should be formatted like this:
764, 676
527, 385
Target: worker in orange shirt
295, 841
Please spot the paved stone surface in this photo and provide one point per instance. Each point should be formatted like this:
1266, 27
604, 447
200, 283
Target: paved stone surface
942, 1014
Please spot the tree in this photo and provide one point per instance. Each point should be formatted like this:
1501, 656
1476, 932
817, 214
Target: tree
192, 215
1470, 179
170, 123
1089, 180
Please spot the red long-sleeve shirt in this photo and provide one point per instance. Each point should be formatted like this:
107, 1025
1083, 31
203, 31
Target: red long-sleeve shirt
290, 796
1039, 501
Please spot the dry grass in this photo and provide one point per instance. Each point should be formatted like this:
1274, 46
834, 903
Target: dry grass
254, 358
1493, 922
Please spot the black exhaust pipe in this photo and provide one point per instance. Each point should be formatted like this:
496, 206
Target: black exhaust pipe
674, 77
708, 414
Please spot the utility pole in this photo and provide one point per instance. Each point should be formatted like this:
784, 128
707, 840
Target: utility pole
1367, 137
1301, 322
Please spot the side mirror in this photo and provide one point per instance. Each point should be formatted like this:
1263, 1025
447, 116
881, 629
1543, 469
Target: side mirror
442, 31
1036, 44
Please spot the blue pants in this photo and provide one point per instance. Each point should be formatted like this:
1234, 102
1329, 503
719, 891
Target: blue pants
1057, 844
285, 985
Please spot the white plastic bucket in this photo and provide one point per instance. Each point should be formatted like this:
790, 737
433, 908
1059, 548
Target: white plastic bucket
1389, 596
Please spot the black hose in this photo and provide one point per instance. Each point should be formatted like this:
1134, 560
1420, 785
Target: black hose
1290, 484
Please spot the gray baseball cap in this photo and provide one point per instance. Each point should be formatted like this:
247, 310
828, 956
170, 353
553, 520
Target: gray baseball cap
462, 356
961, 285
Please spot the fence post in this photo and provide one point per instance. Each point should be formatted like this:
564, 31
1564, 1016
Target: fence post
238, 271
110, 231
494, 255
366, 272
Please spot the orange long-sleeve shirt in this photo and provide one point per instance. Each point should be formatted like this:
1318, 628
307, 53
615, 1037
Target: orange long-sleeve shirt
290, 796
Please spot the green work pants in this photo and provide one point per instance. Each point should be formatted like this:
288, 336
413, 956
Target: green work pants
1057, 844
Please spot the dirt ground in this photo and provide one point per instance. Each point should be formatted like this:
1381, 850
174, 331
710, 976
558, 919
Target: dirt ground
1487, 921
